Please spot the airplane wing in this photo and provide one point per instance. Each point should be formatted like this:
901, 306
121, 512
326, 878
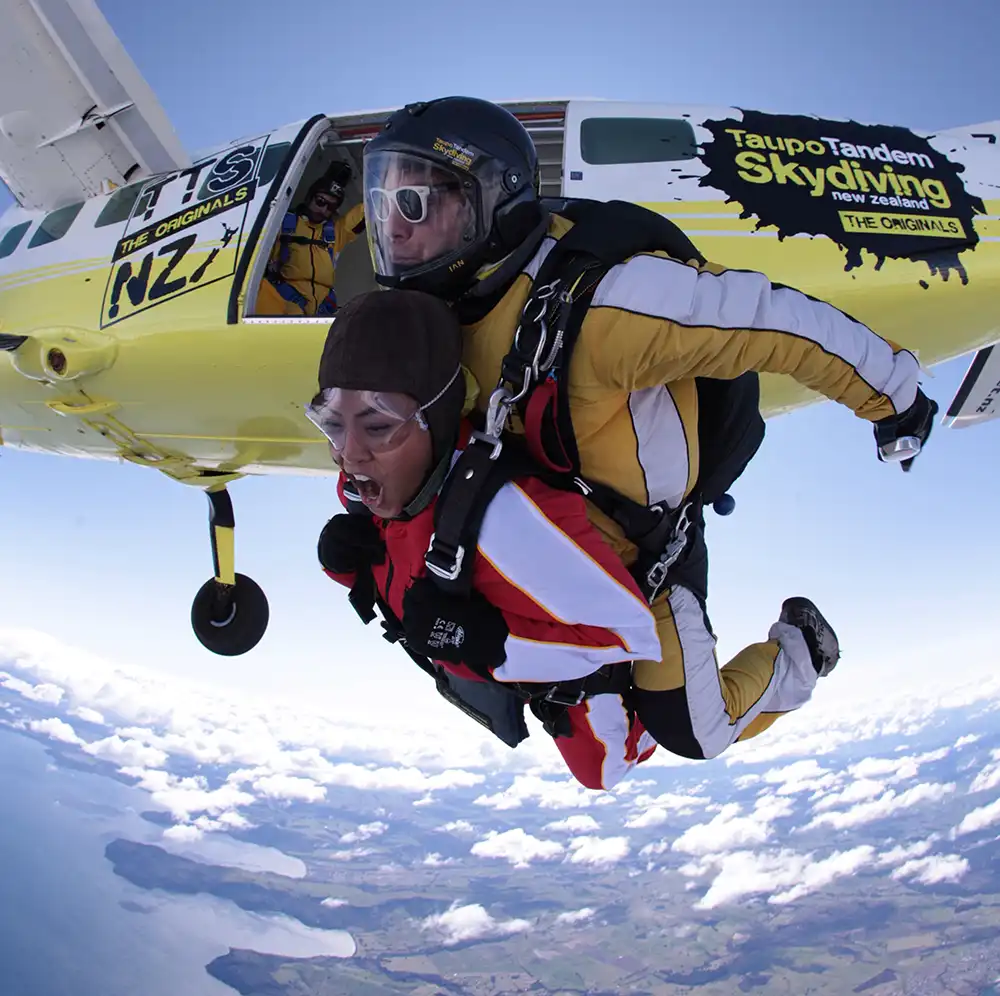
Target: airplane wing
76, 116
978, 396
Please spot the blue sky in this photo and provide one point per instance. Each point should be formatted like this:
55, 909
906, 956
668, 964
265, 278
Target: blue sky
108, 556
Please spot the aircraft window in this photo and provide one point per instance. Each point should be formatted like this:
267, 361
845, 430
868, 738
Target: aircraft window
55, 225
13, 238
606, 141
119, 206
274, 156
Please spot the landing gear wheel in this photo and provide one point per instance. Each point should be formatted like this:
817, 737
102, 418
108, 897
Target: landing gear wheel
229, 621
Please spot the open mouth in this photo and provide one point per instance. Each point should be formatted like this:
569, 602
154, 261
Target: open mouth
369, 490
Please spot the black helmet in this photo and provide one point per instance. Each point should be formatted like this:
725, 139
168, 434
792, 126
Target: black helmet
332, 188
450, 190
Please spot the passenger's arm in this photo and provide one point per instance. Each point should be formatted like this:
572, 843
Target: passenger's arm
654, 320
568, 601
349, 227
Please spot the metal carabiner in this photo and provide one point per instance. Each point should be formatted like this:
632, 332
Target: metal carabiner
497, 411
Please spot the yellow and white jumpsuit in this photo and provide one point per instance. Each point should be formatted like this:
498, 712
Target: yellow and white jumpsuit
654, 325
308, 270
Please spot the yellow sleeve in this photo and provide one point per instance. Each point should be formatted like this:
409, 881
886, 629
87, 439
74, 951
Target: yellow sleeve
654, 320
349, 227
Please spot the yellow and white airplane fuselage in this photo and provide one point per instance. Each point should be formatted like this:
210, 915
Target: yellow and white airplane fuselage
141, 339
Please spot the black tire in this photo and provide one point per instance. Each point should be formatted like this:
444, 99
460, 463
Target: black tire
245, 625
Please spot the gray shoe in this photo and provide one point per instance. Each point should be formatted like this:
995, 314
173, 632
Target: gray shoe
824, 648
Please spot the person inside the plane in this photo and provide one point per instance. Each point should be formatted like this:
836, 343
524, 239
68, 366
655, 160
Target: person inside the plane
550, 601
453, 209
301, 272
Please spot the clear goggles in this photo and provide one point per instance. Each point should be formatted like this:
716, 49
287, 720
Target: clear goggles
378, 422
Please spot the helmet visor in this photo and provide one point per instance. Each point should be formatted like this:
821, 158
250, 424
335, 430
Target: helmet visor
417, 212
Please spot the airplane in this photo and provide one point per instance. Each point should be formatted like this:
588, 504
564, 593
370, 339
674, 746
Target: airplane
132, 273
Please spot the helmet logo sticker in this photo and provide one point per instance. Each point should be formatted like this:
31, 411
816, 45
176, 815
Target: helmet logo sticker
460, 155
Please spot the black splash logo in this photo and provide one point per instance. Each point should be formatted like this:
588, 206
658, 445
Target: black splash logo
874, 187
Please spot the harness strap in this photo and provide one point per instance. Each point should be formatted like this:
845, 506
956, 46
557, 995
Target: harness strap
289, 293
481, 470
304, 240
549, 705
288, 226
536, 368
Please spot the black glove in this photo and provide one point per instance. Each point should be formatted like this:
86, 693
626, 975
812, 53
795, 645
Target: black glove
917, 420
445, 627
350, 542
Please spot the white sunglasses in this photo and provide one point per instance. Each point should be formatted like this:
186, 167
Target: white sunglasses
410, 200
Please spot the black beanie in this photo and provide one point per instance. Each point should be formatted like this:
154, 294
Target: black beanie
400, 341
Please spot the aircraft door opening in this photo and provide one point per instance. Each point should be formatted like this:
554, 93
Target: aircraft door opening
283, 267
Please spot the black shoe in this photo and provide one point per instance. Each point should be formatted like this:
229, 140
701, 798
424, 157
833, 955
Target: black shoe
824, 648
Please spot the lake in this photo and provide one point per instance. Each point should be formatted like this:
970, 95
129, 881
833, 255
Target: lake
69, 924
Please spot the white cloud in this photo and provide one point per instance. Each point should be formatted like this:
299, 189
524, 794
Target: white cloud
726, 831
657, 847
785, 875
655, 816
467, 923
332, 903
364, 832
434, 860
969, 738
933, 869
184, 797
567, 794
51, 694
56, 729
517, 847
575, 916
896, 769
989, 776
903, 852
349, 854
226, 727
800, 776
858, 791
770, 807
598, 850
289, 787
457, 826
884, 806
401, 779
129, 753
88, 715
631, 786
44, 692
229, 820
183, 833
672, 802
577, 823
819, 874
979, 818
